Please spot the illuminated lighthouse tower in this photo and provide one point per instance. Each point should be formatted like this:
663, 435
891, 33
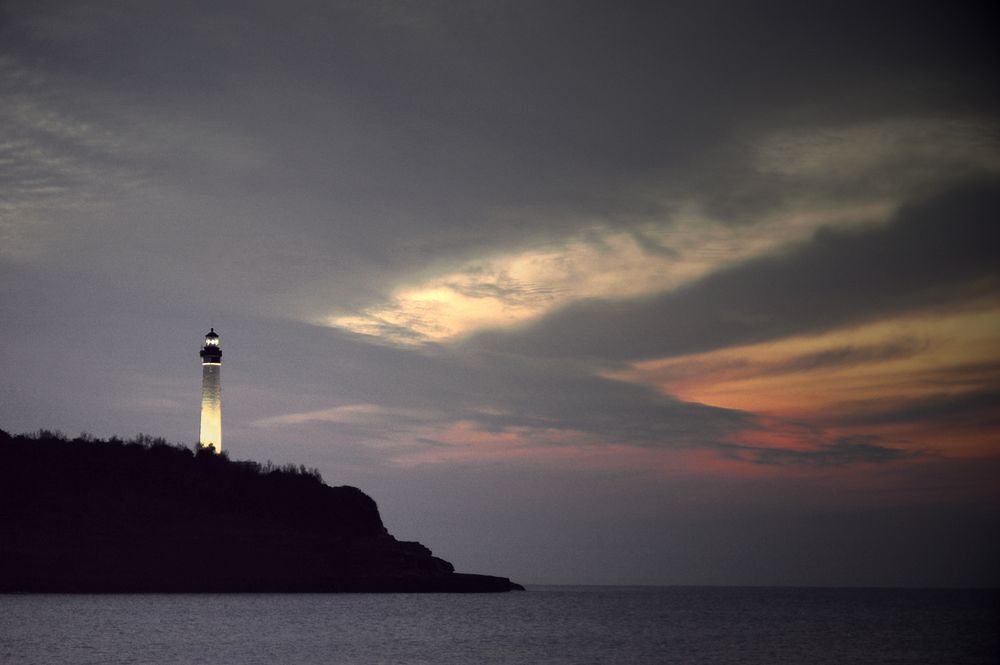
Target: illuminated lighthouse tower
211, 392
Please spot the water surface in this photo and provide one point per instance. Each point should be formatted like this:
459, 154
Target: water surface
635, 625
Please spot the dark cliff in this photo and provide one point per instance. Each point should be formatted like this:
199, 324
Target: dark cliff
109, 516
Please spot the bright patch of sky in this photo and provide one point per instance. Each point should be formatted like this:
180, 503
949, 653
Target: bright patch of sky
897, 158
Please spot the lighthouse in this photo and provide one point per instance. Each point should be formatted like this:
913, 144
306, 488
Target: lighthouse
211, 392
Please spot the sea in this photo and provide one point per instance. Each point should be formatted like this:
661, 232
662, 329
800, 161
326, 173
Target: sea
545, 624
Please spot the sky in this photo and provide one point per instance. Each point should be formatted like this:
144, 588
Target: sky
578, 292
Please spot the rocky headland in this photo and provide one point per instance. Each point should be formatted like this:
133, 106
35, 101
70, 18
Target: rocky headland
108, 516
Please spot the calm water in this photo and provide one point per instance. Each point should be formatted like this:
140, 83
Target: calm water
543, 625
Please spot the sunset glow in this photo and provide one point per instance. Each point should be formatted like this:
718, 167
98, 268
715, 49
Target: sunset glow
704, 293
891, 378
509, 290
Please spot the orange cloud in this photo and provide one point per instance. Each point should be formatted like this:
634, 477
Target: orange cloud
921, 382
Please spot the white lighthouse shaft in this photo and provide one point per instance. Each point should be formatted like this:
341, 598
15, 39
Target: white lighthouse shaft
211, 392
211, 405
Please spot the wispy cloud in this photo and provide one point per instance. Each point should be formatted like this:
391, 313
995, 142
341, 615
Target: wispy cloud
842, 452
895, 378
601, 263
908, 152
896, 356
74, 152
881, 164
54, 159
368, 414
836, 279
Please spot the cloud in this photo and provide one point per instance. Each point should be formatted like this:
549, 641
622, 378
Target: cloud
847, 451
940, 252
78, 158
602, 262
918, 383
539, 195
880, 163
53, 160
907, 151
403, 397
809, 375
404, 149
954, 411
366, 414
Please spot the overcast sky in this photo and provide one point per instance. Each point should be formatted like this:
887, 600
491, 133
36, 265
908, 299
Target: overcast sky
579, 292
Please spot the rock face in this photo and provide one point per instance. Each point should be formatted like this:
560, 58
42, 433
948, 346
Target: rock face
145, 516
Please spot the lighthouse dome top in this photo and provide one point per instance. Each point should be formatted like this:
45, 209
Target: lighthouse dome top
211, 352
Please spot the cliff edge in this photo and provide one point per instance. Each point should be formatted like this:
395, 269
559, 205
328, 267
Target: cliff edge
108, 516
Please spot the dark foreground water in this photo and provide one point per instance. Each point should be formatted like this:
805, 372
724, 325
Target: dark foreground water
543, 625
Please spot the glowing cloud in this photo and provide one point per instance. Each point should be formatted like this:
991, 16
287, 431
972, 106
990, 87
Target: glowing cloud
507, 290
894, 379
884, 163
